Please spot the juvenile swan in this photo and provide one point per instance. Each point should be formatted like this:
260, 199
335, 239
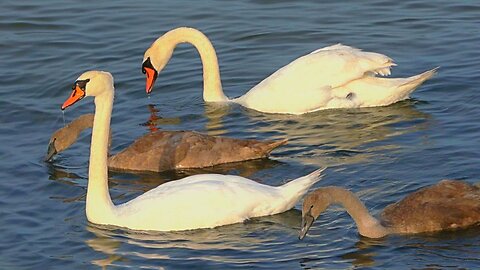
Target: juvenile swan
167, 150
200, 201
447, 205
337, 76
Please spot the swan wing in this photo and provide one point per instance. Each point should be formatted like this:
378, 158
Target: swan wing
356, 61
449, 204
200, 201
307, 83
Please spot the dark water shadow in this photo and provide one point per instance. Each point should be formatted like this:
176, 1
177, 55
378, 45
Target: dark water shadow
115, 243
367, 252
155, 120
328, 137
126, 185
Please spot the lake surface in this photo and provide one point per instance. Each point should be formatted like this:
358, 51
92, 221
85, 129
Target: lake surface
381, 154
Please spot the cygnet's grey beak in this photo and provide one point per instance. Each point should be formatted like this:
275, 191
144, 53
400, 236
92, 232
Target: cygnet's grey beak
307, 222
52, 151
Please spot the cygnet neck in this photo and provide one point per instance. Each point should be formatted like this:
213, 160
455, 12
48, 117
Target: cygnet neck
367, 225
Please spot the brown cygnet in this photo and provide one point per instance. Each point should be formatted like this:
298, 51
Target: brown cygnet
167, 150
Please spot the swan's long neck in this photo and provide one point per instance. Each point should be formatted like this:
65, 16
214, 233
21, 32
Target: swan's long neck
212, 85
80, 124
367, 225
99, 206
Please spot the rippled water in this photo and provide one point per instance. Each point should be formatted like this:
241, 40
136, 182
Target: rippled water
379, 153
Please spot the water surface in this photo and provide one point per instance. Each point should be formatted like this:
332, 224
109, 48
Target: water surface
381, 154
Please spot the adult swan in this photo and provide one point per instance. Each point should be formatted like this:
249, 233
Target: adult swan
200, 201
337, 76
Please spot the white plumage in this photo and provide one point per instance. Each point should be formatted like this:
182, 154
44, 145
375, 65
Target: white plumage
337, 76
200, 201
209, 200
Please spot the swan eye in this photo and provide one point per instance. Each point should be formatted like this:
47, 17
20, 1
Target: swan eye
147, 64
82, 84
309, 212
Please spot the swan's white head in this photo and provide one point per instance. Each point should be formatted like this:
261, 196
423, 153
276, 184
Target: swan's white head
90, 83
155, 59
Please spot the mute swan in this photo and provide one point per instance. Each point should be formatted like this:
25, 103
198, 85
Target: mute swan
447, 205
167, 150
200, 201
337, 76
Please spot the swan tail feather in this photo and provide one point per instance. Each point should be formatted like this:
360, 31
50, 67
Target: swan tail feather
267, 148
416, 80
406, 87
295, 189
420, 78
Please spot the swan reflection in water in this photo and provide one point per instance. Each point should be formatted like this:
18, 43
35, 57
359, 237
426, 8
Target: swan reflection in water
155, 120
256, 240
417, 245
129, 185
254, 237
324, 138
367, 252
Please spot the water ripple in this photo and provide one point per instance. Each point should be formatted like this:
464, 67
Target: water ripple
381, 154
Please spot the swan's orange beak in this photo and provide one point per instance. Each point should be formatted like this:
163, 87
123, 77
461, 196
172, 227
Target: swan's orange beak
77, 94
151, 77
151, 73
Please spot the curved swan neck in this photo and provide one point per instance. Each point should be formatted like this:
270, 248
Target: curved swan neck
99, 205
84, 121
212, 85
80, 124
367, 225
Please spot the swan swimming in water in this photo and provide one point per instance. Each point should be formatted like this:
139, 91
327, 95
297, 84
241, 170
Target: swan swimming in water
167, 150
337, 76
199, 201
447, 205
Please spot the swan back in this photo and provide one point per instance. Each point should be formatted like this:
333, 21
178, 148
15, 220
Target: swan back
306, 84
450, 204
209, 200
169, 150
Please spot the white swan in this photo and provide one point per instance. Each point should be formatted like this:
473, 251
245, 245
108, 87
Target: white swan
200, 201
337, 76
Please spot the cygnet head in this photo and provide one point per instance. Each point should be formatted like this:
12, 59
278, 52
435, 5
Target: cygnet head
313, 205
59, 141
66, 136
90, 83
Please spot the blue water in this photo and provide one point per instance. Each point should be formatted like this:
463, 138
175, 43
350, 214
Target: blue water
381, 154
